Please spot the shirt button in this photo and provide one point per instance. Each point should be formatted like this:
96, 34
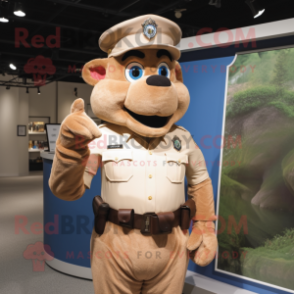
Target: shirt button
150, 197
150, 152
116, 158
179, 161
150, 176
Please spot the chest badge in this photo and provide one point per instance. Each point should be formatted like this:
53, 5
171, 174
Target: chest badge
115, 146
177, 143
149, 28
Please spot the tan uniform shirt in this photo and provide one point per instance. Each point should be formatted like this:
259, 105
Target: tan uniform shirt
145, 176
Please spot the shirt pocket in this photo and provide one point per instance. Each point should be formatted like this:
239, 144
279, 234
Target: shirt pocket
118, 165
176, 167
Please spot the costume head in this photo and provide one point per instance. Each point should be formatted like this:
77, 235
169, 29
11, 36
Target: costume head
140, 84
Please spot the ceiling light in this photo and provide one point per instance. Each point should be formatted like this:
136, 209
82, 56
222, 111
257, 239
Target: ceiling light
178, 12
39, 92
12, 66
256, 12
18, 10
3, 17
260, 12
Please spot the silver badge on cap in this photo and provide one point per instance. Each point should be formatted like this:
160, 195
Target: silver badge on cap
149, 28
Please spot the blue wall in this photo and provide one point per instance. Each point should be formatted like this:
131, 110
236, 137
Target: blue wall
75, 222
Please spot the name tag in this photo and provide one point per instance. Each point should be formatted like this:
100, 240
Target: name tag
118, 146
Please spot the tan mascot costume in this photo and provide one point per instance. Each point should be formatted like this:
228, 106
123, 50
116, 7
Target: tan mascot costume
141, 242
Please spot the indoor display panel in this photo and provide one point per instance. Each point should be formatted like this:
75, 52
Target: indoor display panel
256, 191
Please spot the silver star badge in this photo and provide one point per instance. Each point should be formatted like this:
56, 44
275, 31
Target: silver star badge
149, 28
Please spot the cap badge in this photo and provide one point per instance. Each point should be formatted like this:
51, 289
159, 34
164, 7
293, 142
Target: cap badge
177, 143
149, 28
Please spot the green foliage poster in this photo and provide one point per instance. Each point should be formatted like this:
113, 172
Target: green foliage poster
256, 194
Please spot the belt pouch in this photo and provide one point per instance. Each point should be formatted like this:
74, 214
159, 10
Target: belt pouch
165, 222
100, 209
126, 218
188, 211
185, 217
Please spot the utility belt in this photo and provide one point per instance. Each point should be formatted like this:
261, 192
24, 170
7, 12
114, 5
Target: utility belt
148, 223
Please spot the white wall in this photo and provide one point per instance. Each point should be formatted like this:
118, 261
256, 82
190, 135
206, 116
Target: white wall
23, 119
66, 97
15, 108
45, 103
13, 149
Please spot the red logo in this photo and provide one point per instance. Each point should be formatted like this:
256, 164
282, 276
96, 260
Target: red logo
38, 253
40, 67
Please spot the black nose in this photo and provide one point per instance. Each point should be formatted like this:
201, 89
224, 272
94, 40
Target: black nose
158, 81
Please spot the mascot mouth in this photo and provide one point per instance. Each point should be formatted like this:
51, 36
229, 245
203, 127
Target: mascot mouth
153, 121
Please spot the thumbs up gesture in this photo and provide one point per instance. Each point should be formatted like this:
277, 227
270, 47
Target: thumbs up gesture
78, 129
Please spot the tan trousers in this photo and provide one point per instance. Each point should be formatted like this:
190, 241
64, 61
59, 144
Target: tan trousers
124, 261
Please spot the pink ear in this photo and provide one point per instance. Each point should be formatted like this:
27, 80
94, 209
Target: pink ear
98, 73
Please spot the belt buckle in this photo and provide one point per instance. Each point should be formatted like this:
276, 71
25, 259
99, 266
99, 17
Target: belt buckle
146, 223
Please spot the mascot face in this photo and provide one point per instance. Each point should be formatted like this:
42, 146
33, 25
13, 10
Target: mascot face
140, 89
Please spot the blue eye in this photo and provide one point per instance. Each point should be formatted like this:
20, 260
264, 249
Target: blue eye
163, 70
134, 71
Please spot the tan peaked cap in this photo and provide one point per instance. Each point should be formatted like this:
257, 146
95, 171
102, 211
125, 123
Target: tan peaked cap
130, 35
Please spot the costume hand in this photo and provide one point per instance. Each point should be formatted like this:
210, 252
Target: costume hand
78, 129
202, 243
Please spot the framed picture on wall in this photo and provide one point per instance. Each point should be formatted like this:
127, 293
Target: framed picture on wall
21, 130
255, 198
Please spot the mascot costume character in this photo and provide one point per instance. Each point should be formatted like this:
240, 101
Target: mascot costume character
141, 242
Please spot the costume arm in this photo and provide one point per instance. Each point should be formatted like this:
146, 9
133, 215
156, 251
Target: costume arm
199, 184
202, 242
72, 153
66, 179
202, 194
92, 166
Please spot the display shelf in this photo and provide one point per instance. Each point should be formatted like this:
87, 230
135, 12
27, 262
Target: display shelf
36, 150
37, 133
